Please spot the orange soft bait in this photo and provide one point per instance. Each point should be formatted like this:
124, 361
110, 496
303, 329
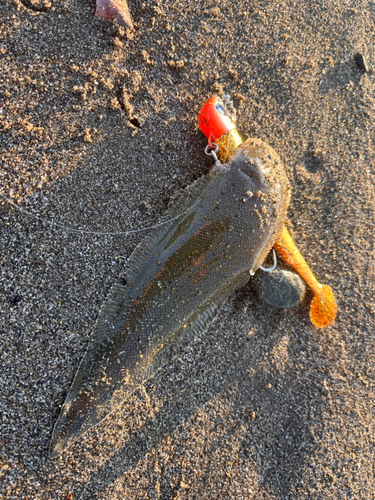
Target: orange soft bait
217, 125
323, 307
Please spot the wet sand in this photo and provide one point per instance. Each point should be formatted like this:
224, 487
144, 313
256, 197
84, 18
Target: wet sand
98, 131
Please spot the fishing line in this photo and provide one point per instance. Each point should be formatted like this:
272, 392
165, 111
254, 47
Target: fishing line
100, 233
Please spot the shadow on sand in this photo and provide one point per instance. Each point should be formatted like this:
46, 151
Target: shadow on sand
274, 394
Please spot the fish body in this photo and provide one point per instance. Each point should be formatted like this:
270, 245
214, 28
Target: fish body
178, 279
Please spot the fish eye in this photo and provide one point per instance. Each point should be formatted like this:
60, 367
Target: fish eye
252, 170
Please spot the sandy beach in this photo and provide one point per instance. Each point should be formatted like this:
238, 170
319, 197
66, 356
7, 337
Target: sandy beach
98, 133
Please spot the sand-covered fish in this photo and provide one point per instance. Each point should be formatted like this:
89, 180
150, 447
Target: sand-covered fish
178, 280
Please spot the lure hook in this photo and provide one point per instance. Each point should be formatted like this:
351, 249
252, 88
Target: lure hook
211, 149
270, 269
212, 152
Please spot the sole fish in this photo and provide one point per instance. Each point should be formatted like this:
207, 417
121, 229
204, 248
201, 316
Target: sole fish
178, 280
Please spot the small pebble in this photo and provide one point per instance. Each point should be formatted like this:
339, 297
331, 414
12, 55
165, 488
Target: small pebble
280, 288
15, 300
361, 63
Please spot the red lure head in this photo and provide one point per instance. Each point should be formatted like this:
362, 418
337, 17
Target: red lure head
214, 120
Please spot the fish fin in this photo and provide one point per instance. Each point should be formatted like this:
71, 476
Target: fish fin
180, 205
198, 324
138, 256
206, 313
114, 304
182, 338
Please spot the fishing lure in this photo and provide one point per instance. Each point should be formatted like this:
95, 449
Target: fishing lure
217, 122
179, 277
